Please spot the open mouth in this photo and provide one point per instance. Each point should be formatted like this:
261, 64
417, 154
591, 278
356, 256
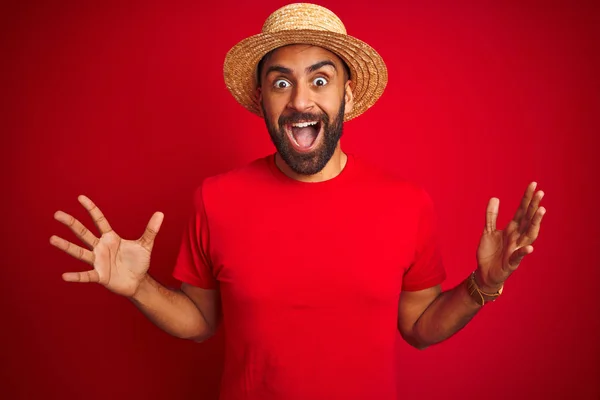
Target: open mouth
304, 135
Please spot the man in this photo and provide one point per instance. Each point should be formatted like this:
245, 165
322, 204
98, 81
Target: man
312, 259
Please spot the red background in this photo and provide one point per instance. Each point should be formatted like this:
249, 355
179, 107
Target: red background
125, 102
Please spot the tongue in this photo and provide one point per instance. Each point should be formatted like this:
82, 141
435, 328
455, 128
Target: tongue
305, 136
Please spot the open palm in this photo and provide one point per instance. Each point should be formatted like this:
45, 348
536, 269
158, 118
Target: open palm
118, 264
501, 251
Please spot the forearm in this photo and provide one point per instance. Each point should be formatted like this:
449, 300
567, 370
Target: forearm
446, 315
171, 310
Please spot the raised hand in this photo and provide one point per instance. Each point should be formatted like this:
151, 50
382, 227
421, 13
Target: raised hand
500, 252
118, 264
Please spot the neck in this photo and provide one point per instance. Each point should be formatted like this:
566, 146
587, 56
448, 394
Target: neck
332, 169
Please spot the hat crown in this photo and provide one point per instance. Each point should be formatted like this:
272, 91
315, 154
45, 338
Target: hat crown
303, 16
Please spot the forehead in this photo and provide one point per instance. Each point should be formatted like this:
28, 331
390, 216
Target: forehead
301, 55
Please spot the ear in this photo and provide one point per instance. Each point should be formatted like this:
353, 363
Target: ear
349, 97
258, 99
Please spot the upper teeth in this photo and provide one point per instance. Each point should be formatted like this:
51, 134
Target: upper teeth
304, 124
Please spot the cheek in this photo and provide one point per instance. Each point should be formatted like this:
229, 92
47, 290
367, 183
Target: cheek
273, 107
330, 103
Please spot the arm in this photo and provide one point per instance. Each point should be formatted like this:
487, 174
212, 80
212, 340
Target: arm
189, 313
429, 316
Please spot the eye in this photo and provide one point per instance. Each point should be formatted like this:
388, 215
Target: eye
320, 81
281, 84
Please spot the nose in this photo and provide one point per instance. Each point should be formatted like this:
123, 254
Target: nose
301, 99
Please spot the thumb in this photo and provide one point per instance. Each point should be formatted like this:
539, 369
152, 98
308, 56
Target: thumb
147, 239
491, 215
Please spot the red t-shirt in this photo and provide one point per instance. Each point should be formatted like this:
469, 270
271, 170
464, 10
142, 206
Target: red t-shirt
310, 276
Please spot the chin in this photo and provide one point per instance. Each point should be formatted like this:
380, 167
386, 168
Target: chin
306, 163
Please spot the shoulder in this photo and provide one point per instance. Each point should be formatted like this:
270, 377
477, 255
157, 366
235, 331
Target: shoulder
236, 180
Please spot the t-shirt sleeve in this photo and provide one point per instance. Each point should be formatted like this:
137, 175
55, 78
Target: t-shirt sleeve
193, 263
427, 269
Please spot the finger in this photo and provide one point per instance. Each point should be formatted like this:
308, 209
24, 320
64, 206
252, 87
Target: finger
534, 228
77, 228
531, 210
516, 257
521, 211
491, 215
147, 239
72, 249
99, 220
82, 277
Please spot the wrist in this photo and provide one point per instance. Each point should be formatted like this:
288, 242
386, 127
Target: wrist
141, 289
484, 285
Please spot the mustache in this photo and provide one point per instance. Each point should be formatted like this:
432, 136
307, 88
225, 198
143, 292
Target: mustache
299, 117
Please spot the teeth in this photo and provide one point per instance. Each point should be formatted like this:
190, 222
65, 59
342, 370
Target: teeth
304, 124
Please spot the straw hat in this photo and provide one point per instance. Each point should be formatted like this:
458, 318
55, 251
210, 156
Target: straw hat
303, 23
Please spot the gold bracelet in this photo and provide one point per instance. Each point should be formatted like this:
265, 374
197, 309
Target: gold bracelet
482, 297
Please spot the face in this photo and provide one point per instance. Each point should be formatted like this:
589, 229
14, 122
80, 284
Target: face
304, 95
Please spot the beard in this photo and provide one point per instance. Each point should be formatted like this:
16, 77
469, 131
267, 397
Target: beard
313, 162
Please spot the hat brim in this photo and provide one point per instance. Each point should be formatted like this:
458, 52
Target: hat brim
367, 69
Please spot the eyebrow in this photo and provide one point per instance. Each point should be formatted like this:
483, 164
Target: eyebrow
320, 65
312, 68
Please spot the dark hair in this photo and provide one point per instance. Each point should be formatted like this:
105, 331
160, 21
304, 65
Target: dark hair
262, 61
